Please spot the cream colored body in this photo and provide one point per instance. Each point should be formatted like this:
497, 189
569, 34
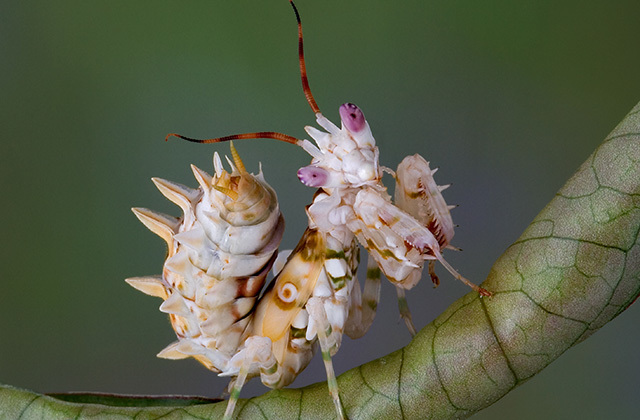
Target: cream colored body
219, 254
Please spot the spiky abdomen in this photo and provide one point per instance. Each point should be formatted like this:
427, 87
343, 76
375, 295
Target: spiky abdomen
220, 252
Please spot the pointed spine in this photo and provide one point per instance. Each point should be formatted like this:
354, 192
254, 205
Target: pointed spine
175, 304
203, 178
236, 159
182, 196
151, 285
163, 225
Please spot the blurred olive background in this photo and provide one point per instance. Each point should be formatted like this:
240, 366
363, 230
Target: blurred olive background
507, 98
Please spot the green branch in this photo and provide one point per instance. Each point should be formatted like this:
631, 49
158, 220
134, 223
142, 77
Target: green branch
576, 267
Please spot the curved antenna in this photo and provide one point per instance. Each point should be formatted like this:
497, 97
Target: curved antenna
257, 135
303, 67
271, 134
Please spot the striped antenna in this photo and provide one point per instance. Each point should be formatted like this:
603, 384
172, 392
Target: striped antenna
257, 135
303, 67
270, 134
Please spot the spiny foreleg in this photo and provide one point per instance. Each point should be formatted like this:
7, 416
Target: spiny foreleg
401, 233
417, 193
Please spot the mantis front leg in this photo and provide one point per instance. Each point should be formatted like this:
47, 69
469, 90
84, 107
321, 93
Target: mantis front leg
399, 243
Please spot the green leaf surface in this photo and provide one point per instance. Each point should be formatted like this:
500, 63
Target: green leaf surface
576, 267
132, 400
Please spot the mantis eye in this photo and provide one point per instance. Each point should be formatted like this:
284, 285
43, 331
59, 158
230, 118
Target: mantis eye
312, 176
352, 117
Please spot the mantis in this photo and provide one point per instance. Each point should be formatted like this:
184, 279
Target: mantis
400, 237
219, 253
315, 296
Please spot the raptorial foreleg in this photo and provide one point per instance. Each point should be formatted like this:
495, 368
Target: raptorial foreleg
418, 194
375, 213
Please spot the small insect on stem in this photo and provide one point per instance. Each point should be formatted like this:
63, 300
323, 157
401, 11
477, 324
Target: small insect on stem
316, 297
345, 164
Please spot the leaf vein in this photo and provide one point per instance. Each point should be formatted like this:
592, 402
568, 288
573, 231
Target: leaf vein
437, 369
483, 305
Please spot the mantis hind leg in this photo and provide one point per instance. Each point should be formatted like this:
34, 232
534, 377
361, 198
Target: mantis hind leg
257, 351
316, 311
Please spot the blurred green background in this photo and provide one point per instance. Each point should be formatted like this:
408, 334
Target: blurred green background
507, 98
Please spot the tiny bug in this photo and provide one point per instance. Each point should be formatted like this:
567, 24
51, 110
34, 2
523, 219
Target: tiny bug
345, 165
352, 202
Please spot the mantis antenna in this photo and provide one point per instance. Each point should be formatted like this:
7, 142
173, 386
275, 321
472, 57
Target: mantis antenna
303, 67
270, 134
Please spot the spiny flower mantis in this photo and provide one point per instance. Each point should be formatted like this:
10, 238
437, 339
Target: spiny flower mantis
315, 295
345, 165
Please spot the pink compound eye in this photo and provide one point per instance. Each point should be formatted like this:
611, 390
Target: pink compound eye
312, 176
352, 117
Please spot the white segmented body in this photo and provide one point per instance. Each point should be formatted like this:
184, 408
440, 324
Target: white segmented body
219, 253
